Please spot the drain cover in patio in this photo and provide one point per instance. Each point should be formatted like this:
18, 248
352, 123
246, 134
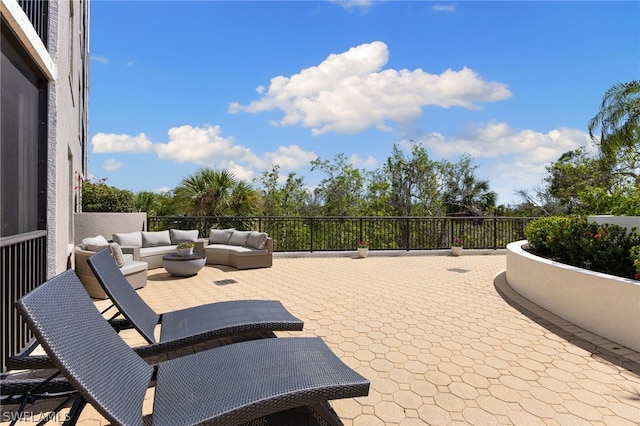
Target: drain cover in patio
225, 282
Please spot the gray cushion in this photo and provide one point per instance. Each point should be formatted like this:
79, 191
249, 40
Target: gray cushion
178, 235
133, 267
155, 239
133, 239
220, 236
239, 238
95, 243
257, 240
116, 251
157, 250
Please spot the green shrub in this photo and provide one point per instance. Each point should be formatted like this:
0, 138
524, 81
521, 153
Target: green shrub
99, 197
575, 241
635, 257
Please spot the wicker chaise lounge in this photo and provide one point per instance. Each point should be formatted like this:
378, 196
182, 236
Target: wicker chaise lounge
241, 319
186, 327
226, 385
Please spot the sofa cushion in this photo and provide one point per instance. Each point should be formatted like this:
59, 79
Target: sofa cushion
133, 267
155, 239
238, 250
178, 235
239, 238
220, 236
133, 239
156, 251
95, 243
116, 251
257, 240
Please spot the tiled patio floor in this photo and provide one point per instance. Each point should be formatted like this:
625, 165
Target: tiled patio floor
443, 340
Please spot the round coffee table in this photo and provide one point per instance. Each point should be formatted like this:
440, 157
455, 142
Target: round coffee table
183, 266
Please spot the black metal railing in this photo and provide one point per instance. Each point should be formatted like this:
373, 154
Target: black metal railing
24, 267
38, 13
342, 233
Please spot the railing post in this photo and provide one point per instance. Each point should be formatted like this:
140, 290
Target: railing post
495, 232
452, 234
407, 234
311, 235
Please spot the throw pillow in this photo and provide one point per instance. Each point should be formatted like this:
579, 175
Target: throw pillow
116, 251
220, 236
178, 236
133, 239
156, 239
239, 238
96, 243
257, 240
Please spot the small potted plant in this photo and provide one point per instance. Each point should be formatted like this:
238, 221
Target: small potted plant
456, 246
363, 248
185, 248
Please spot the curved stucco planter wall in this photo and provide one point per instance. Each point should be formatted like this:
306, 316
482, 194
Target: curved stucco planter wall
603, 304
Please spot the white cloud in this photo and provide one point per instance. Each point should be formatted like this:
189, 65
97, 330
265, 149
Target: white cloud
104, 143
206, 146
202, 145
99, 58
111, 164
350, 92
289, 158
354, 4
509, 159
438, 7
370, 162
497, 139
162, 190
241, 172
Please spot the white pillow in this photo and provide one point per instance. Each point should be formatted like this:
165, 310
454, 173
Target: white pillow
116, 251
95, 243
220, 236
156, 239
257, 240
133, 239
178, 236
239, 238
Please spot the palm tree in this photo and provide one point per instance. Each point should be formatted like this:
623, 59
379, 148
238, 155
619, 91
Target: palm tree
464, 194
207, 192
145, 201
245, 200
618, 120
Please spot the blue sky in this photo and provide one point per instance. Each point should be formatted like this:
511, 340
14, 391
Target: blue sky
179, 85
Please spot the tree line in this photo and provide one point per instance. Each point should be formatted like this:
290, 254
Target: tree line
413, 184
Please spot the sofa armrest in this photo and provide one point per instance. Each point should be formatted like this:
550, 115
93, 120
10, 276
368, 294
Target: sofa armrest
133, 250
81, 256
200, 244
269, 245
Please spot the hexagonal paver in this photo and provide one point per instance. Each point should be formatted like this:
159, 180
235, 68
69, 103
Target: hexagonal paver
439, 347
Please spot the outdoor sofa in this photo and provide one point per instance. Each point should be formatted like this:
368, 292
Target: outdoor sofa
134, 271
149, 247
230, 247
142, 251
